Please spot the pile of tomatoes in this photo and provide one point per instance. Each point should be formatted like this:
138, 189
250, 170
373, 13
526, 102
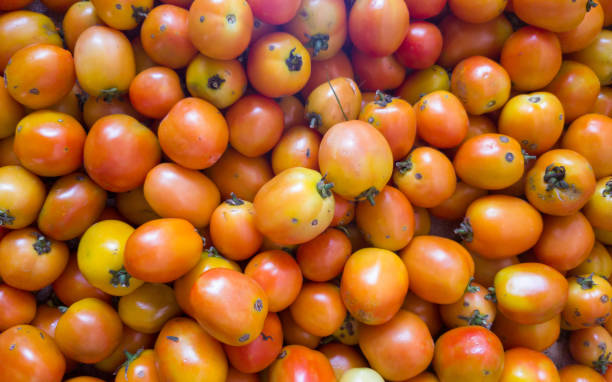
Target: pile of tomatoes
241, 191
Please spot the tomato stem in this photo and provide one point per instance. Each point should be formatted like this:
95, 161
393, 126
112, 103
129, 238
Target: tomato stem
107, 95
343, 229
317, 42
404, 166
120, 278
382, 99
586, 282
212, 252
465, 231
234, 200
602, 363
294, 61
314, 120
527, 156
472, 288
324, 188
6, 218
491, 296
554, 178
129, 359
476, 318
368, 194
139, 14
41, 245
607, 191
590, 5
215, 82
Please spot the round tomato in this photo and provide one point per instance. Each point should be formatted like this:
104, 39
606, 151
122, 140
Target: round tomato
148, 308
298, 147
377, 73
80, 16
296, 363
442, 121
591, 347
154, 91
16, 307
588, 302
590, 135
318, 308
522, 365
220, 82
474, 308
323, 258
11, 112
22, 197
293, 110
421, 47
122, 14
579, 373
422, 82
537, 337
332, 102
598, 262
95, 108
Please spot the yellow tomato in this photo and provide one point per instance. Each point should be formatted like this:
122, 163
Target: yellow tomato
148, 308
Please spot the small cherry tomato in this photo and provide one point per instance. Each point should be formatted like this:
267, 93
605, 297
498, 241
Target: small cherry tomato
293, 111
344, 211
133, 207
475, 11
421, 47
591, 347
588, 302
598, 262
580, 373
11, 112
293, 334
80, 16
603, 105
422, 82
95, 108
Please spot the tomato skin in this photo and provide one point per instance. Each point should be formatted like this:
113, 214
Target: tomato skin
336, 66
22, 197
422, 46
537, 337
229, 305
72, 286
131, 342
148, 308
442, 120
46, 319
220, 82
485, 269
193, 134
588, 302
404, 338
342, 357
556, 16
186, 353
318, 308
154, 91
579, 373
373, 286
134, 208
95, 108
122, 14
278, 65
477, 11
595, 56
274, 12
474, 308
323, 258
13, 5
293, 334
11, 112
143, 368
344, 211
259, 354
580, 37
233, 231
598, 262
297, 147
377, 73
80, 16
468, 353
386, 24
297, 362
589, 346
88, 331
589, 136
293, 111
331, 103
539, 297
29, 355
18, 307
603, 105
560, 199
598, 210
521, 364
422, 82
424, 10
427, 311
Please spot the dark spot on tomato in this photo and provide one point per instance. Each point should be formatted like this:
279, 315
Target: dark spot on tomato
118, 6
19, 128
162, 27
265, 338
173, 338
509, 157
257, 23
491, 103
486, 372
303, 13
504, 139
294, 220
231, 19
80, 177
244, 337
202, 18
604, 298
65, 149
283, 354
423, 105
418, 175
315, 222
465, 303
258, 306
534, 99
308, 153
387, 237
12, 347
270, 47
560, 117
42, 336
34, 91
371, 120
215, 82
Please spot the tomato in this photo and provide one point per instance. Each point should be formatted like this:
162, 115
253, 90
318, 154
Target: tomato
142, 366
319, 25
566, 241
477, 11
71, 286
607, 8
278, 65
119, 151
220, 82
186, 352
427, 258
46, 319
421, 47
422, 82
522, 364
260, 29
424, 10
22, 197
375, 73
11, 5
442, 120
131, 343
27, 354
323, 258
318, 308
275, 12
22, 28
234, 375
530, 293
342, 357
427, 311
598, 210
279, 275
122, 14
588, 302
486, 269
362, 374
560, 183
535, 120
378, 28
537, 337
11, 112
154, 91
577, 87
236, 173
293, 111
296, 363
71, 103
348, 332
260, 353
293, 334
88, 331
398, 349
80, 16
556, 16
579, 373
598, 262
193, 134
424, 377
133, 207
325, 70
297, 147
7, 154
585, 33
142, 60
422, 221
101, 257
591, 347
589, 135
463, 39
104, 62
229, 305
220, 30
595, 56
603, 105
332, 102
17, 307
344, 211
148, 308
467, 354
96, 108
373, 285
474, 308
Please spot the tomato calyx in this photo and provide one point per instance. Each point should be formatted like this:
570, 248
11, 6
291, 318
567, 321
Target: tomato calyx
491, 296
465, 231
343, 229
527, 156
476, 318
41, 245
324, 188
62, 308
120, 278
404, 166
6, 218
129, 359
602, 363
472, 288
590, 5
317, 42
314, 120
606, 192
108, 95
213, 252
215, 82
234, 200
141, 13
294, 61
554, 178
382, 99
586, 282
369, 195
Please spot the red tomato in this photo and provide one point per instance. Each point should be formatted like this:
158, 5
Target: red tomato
274, 12
590, 135
422, 46
323, 258
297, 363
522, 364
442, 121
425, 9
477, 11
154, 91
318, 309
17, 307
377, 73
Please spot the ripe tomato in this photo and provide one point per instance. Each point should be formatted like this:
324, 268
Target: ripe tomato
588, 302
12, 5
71, 286
49, 143
22, 197
583, 35
101, 257
28, 355
598, 262
122, 14
11, 112
133, 207
603, 105
556, 16
22, 28
439, 268
591, 347
590, 135
566, 241
95, 108
154, 91
16, 307
343, 358
229, 305
193, 134
485, 269
165, 36
332, 102
344, 211
142, 366
535, 120
474, 308
427, 311
421, 47
324, 70
579, 373
560, 183
220, 82
131, 342
537, 337
467, 354
521, 364
298, 147
104, 62
293, 334
296, 363
259, 354
46, 319
377, 73
399, 349
234, 375
442, 120
279, 275
318, 308
323, 258
319, 25
477, 11
422, 82
148, 308
186, 352
275, 12
530, 293
378, 28
293, 111
577, 87
373, 285
278, 65
88, 331
80, 16
426, 177
595, 56
598, 210
423, 10
348, 332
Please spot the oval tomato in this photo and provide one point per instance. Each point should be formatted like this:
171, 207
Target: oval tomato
22, 197
220, 82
